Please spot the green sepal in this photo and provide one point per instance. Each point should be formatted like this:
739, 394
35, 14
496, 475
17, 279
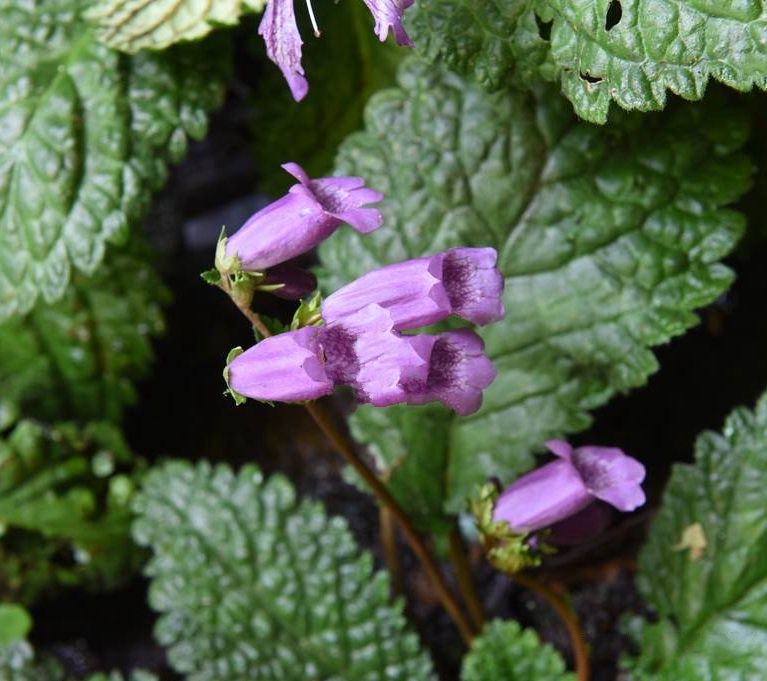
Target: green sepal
212, 277
225, 264
506, 551
308, 313
237, 397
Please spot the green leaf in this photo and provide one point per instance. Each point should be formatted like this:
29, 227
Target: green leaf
608, 239
85, 135
76, 358
344, 67
253, 583
506, 651
711, 603
627, 51
64, 509
15, 623
155, 24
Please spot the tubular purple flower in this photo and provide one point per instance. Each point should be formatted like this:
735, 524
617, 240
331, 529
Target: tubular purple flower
283, 44
309, 213
458, 371
461, 281
560, 489
283, 368
363, 351
289, 282
388, 14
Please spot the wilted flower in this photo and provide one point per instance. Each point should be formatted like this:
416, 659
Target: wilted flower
288, 282
283, 41
560, 489
460, 281
309, 213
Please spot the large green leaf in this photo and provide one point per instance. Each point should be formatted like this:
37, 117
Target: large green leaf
506, 651
64, 494
131, 26
85, 134
254, 584
711, 593
608, 239
76, 358
627, 51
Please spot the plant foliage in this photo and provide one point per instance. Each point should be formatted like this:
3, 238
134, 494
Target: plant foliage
252, 583
608, 239
85, 135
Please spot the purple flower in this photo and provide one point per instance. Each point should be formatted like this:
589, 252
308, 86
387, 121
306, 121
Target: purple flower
288, 282
388, 14
461, 281
562, 488
283, 368
309, 213
458, 371
283, 44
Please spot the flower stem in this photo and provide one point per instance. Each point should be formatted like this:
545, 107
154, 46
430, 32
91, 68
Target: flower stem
569, 619
385, 498
379, 489
457, 551
389, 544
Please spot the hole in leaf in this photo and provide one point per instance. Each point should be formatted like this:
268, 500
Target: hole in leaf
544, 27
614, 14
589, 78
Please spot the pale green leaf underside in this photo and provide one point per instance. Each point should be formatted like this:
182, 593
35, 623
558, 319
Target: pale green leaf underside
655, 46
713, 608
85, 135
608, 240
255, 584
77, 357
131, 25
506, 651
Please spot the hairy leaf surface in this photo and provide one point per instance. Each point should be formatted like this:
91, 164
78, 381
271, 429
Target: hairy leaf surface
608, 240
711, 594
255, 584
85, 135
628, 51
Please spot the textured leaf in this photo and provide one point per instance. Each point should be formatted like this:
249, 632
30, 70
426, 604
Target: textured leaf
64, 496
131, 25
344, 68
76, 358
506, 651
252, 583
85, 134
18, 662
628, 51
608, 240
712, 605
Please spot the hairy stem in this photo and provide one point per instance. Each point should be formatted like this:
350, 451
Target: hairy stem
384, 497
379, 489
465, 578
389, 544
569, 619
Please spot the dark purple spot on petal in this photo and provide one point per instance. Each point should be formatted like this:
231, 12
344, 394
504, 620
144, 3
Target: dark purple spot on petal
338, 355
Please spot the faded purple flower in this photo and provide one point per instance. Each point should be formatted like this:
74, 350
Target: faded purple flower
283, 44
461, 281
458, 371
288, 282
283, 368
562, 488
586, 524
309, 213
388, 14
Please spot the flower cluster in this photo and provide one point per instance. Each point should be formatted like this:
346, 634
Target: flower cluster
355, 338
283, 41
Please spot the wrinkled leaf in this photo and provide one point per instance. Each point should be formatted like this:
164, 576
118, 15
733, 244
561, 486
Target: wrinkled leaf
85, 135
76, 358
294, 596
608, 240
506, 651
712, 606
130, 26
